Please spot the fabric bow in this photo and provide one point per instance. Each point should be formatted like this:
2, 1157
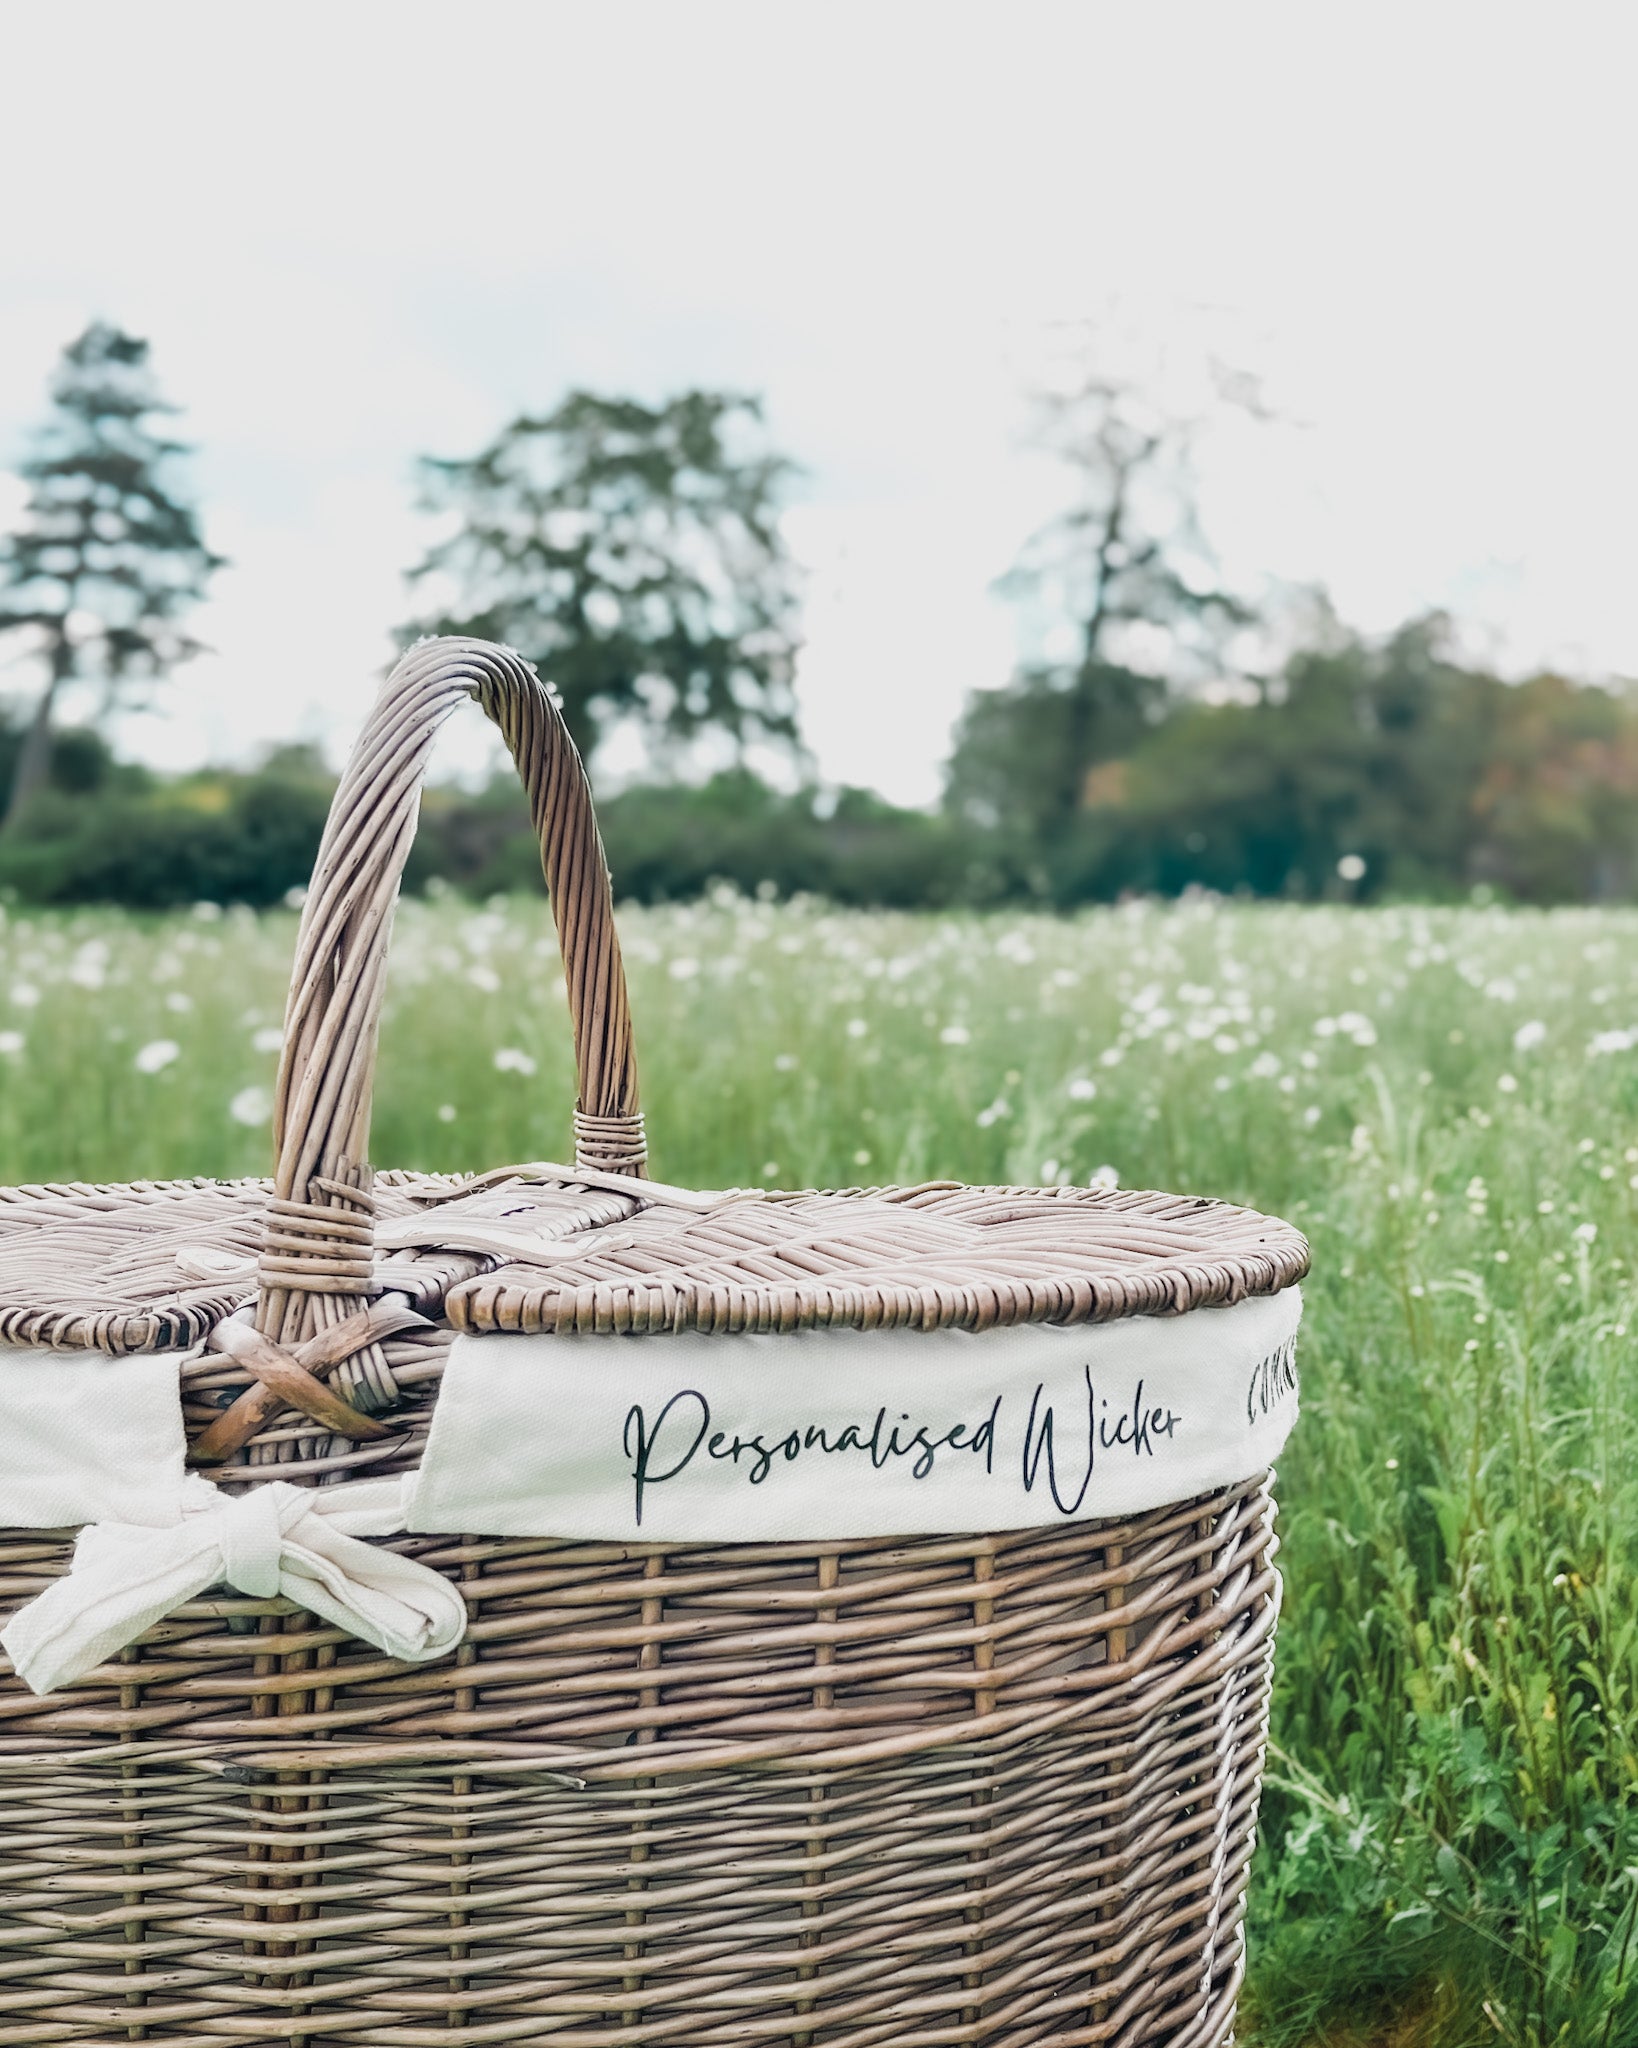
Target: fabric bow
296, 1541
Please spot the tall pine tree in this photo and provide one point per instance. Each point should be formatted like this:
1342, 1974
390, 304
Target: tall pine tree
109, 558
633, 552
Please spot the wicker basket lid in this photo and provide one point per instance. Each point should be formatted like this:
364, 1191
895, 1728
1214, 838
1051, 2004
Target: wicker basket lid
157, 1266
938, 1256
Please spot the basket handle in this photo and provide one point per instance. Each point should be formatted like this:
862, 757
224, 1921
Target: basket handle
316, 1253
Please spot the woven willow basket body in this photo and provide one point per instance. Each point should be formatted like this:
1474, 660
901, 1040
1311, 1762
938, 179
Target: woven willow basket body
986, 1789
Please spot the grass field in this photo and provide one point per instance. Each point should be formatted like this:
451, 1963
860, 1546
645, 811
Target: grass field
1447, 1101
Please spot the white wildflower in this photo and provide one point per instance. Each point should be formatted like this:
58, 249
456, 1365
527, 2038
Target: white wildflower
1082, 1088
157, 1053
857, 1027
483, 976
24, 994
955, 1034
251, 1106
510, 1060
1529, 1036
12, 1043
683, 968
1103, 1177
269, 1039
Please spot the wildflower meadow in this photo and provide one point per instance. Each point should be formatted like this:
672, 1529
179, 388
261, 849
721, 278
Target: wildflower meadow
1445, 1100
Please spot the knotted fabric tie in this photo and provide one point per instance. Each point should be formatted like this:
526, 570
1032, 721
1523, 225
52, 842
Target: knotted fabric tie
300, 1542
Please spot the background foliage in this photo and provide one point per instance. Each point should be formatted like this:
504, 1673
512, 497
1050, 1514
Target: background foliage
1437, 776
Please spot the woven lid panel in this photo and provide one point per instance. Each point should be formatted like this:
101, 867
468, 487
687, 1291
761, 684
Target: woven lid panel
144, 1266
939, 1256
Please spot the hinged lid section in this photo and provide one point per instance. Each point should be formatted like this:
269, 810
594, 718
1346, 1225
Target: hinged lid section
939, 1256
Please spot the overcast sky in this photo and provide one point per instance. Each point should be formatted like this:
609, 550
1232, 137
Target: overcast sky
355, 232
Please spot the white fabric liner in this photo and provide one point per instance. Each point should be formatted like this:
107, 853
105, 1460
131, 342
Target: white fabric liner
847, 1433
84, 1438
688, 1438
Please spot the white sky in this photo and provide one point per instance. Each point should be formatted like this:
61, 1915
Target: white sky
355, 232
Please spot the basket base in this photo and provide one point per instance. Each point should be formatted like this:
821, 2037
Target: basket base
952, 1791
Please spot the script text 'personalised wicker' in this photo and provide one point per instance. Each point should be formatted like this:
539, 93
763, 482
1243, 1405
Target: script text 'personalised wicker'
557, 1606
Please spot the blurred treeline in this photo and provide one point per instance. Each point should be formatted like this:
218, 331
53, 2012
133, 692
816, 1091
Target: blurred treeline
1152, 741
1416, 774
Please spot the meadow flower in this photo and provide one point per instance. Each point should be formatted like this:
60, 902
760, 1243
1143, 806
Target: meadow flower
24, 994
857, 1027
1585, 1233
251, 1106
955, 1034
483, 976
1530, 1035
861, 1157
785, 1062
446, 1112
1507, 1084
178, 1002
999, 1108
12, 1043
510, 1060
1601, 1042
90, 965
1082, 1088
155, 1055
269, 1039
1103, 1177
683, 968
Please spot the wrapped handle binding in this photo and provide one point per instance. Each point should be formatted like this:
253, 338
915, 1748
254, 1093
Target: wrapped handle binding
317, 1249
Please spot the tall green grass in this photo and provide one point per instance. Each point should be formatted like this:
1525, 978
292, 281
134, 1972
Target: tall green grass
1447, 1101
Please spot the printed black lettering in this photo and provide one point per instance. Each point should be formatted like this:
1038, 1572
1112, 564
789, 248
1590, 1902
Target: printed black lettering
1037, 1445
642, 1472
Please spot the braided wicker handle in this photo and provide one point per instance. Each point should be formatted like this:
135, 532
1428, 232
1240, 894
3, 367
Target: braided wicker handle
317, 1248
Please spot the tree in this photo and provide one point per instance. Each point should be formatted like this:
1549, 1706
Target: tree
634, 554
109, 557
1124, 576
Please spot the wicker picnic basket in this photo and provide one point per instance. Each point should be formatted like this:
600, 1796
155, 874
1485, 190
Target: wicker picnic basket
810, 1788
